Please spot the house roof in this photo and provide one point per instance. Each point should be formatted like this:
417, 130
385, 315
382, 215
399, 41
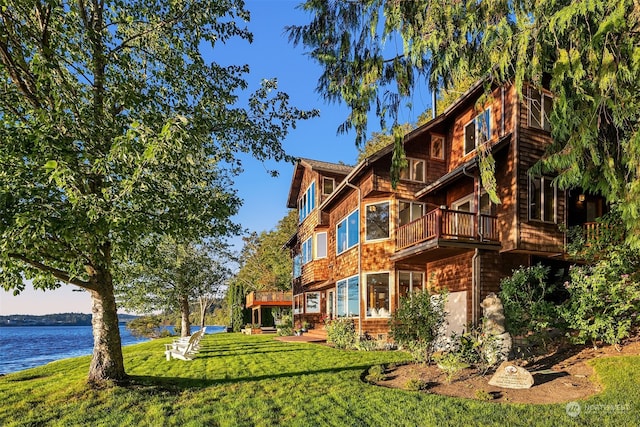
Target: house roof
317, 165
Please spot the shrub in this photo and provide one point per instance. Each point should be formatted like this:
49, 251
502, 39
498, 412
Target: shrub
146, 326
342, 333
376, 373
605, 298
523, 296
451, 364
415, 384
416, 325
474, 347
483, 395
366, 343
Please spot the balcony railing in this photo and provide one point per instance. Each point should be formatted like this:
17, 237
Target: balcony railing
448, 224
266, 297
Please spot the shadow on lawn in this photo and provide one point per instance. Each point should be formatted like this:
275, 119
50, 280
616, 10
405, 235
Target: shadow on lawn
179, 384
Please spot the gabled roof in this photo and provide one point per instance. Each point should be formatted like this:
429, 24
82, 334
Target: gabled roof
316, 165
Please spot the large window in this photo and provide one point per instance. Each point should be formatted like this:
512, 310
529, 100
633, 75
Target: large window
378, 294
348, 232
348, 297
321, 245
297, 266
307, 250
409, 282
307, 202
297, 303
543, 199
477, 131
414, 170
540, 105
377, 221
313, 302
328, 185
409, 211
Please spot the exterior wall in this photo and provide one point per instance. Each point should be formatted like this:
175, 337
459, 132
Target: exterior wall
535, 236
501, 124
454, 274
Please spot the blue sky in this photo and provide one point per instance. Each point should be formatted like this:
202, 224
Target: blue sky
269, 56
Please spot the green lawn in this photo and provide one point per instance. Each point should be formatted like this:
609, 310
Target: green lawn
239, 380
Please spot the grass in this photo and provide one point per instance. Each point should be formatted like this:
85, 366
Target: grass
240, 380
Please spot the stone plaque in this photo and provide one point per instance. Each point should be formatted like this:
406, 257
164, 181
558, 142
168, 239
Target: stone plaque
509, 375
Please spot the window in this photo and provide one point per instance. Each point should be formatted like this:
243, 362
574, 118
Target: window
313, 302
348, 297
477, 131
321, 245
409, 211
348, 232
540, 105
297, 304
328, 185
378, 295
543, 199
307, 202
297, 266
377, 221
409, 282
437, 147
414, 170
307, 254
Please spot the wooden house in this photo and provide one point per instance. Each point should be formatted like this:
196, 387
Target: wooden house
362, 244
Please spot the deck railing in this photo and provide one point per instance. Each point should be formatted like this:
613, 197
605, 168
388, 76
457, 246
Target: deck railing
267, 296
447, 224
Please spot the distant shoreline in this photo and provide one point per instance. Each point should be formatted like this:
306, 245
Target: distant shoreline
58, 319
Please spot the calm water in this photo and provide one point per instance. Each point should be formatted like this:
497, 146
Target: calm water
23, 347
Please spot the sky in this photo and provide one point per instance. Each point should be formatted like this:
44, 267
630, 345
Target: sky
264, 197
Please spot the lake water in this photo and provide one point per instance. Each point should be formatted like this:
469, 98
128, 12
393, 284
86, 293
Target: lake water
24, 347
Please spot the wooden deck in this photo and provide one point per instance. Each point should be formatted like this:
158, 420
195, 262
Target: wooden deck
448, 224
269, 299
313, 335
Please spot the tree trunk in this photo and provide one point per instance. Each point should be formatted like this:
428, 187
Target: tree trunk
107, 363
185, 311
203, 311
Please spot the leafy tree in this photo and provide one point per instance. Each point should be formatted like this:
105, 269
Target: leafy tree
115, 127
173, 276
525, 296
417, 323
264, 263
146, 327
587, 53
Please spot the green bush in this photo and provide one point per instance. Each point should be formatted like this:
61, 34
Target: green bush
342, 333
146, 326
605, 298
376, 373
523, 296
473, 347
417, 323
415, 384
451, 364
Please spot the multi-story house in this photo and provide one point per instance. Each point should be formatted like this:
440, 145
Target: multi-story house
362, 244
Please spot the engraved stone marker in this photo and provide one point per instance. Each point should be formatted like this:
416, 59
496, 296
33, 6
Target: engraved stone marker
509, 375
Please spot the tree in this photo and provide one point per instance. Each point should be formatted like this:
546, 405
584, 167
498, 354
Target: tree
115, 127
171, 278
264, 264
587, 53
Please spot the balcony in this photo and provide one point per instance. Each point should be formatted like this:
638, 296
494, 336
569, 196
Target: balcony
452, 231
269, 298
315, 271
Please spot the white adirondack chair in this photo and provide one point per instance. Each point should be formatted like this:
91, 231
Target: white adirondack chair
184, 350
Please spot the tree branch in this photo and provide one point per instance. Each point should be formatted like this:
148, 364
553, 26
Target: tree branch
57, 273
